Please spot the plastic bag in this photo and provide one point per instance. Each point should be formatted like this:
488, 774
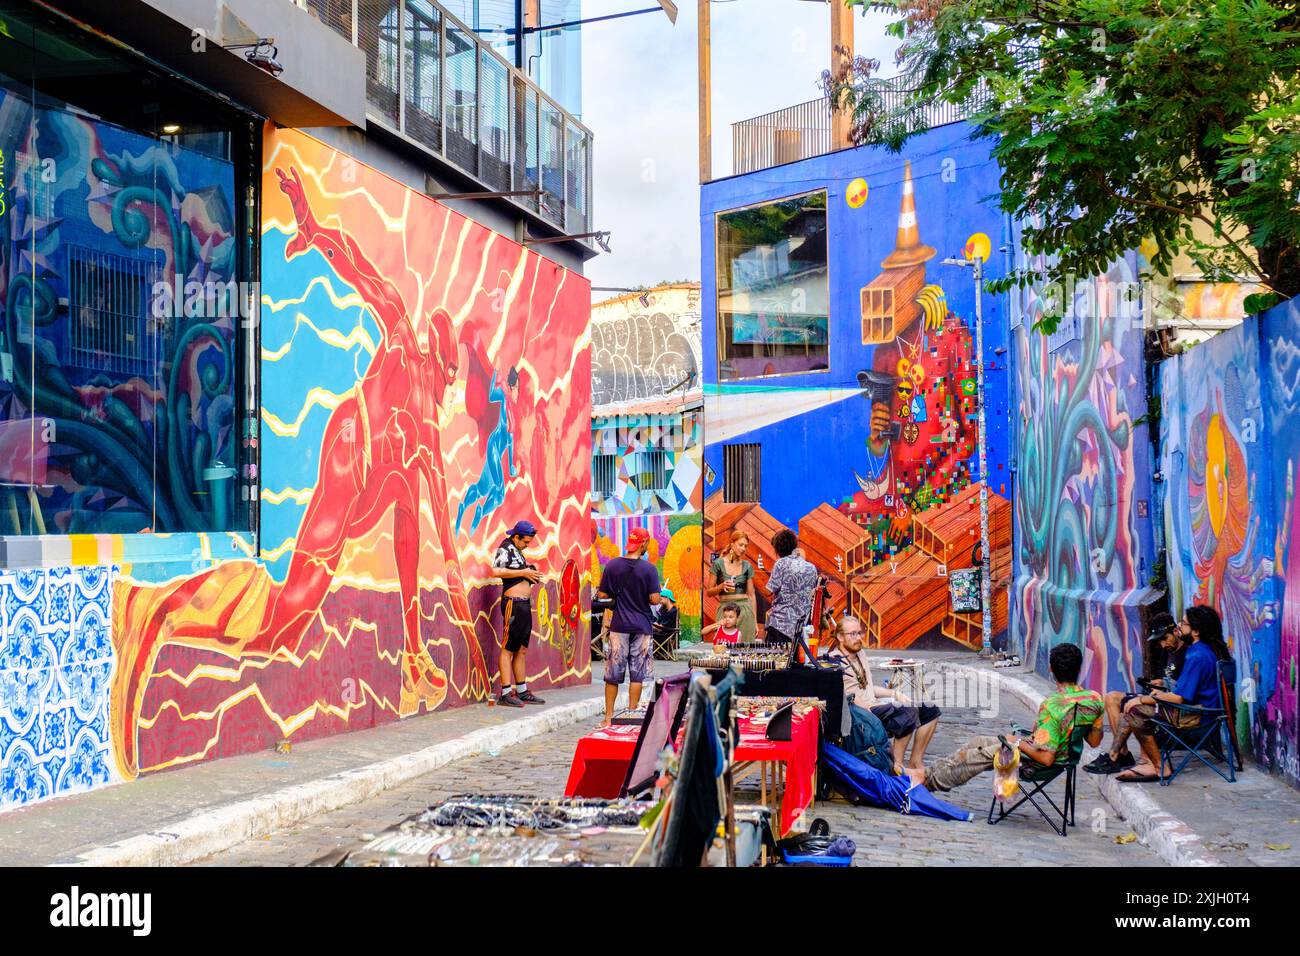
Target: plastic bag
1006, 772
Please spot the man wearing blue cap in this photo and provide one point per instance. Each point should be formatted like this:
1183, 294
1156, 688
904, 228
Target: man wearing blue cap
665, 615
517, 579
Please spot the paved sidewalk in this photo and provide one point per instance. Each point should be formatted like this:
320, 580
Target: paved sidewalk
1253, 822
540, 767
63, 830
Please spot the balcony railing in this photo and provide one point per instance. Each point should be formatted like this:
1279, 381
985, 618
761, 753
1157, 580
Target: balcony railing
432, 80
805, 130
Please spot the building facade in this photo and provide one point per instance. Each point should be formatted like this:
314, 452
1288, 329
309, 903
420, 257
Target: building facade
647, 435
267, 404
841, 376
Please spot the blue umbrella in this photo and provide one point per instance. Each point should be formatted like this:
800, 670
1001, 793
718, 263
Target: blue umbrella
881, 790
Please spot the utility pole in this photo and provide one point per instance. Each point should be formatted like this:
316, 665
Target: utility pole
986, 569
706, 92
841, 63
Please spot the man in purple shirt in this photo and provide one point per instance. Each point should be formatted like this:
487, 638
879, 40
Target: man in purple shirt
633, 583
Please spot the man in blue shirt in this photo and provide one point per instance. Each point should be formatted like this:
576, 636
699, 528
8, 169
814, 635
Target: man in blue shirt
1197, 685
633, 583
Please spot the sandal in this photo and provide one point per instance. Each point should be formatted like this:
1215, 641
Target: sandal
1133, 776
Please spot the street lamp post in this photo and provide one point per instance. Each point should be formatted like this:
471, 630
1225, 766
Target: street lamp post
986, 626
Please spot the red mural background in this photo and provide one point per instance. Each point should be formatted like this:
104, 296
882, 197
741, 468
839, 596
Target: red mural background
378, 607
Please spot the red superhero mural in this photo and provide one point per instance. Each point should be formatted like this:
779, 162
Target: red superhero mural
473, 346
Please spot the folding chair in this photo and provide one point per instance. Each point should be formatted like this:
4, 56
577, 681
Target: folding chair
1209, 736
666, 644
1034, 778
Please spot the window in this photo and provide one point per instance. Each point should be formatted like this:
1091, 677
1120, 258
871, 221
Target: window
773, 294
742, 473
603, 468
123, 265
651, 472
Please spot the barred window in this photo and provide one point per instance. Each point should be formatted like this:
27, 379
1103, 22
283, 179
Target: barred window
651, 471
742, 472
603, 469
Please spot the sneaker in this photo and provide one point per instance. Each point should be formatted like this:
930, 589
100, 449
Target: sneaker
509, 700
528, 697
1103, 764
1126, 760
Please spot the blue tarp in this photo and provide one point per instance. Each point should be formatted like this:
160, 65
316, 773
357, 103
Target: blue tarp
882, 790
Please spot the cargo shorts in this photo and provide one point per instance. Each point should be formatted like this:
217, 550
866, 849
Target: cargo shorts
630, 655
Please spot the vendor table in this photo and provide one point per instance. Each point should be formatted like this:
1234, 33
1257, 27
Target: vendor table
601, 758
803, 681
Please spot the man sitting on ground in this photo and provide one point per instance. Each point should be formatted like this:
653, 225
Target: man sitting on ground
1168, 646
902, 721
1070, 707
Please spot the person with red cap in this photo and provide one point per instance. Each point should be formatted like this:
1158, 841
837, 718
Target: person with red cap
517, 580
633, 585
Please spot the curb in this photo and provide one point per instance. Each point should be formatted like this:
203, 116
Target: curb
214, 831
1173, 840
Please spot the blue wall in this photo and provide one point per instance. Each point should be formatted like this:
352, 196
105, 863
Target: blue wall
954, 179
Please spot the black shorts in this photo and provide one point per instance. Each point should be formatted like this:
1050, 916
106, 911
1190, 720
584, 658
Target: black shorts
517, 622
900, 721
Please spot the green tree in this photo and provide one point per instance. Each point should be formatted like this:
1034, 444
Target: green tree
1116, 121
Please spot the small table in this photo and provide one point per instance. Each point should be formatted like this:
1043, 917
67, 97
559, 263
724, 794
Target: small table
601, 758
908, 676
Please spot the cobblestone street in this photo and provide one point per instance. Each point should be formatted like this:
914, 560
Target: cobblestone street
884, 838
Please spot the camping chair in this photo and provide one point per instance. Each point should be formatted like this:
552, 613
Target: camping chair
666, 644
1034, 778
1208, 736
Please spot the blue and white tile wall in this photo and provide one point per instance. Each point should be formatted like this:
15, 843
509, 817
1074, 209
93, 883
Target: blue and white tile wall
56, 665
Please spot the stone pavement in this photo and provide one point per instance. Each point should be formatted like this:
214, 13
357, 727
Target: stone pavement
540, 767
1252, 822
61, 830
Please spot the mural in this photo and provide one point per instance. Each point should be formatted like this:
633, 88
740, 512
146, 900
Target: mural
873, 462
676, 550
117, 329
1213, 455
1083, 543
637, 488
389, 326
1277, 659
55, 664
645, 343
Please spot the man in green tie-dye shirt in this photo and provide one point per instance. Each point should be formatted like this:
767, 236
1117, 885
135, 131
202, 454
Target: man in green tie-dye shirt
1070, 707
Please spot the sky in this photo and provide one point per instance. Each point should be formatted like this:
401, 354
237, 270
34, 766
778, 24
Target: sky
640, 100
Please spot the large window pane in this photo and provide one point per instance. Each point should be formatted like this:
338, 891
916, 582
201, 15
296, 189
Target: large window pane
773, 316
120, 321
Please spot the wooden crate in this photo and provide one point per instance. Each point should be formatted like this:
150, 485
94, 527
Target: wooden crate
720, 518
951, 531
834, 543
889, 303
899, 601
968, 629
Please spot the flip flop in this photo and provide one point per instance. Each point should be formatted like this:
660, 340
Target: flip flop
1138, 777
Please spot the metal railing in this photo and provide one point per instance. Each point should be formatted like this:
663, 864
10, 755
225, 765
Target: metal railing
805, 130
433, 81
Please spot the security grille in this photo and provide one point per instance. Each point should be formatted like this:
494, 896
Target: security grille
108, 304
603, 469
652, 471
742, 473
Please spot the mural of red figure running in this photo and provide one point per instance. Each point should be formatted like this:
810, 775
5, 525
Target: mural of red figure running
381, 447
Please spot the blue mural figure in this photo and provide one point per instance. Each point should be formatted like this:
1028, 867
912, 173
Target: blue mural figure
490, 489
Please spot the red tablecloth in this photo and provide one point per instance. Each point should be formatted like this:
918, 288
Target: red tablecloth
601, 758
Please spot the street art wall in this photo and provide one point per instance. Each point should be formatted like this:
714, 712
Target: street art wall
1214, 458
841, 378
675, 549
645, 343
425, 383
647, 461
1084, 553
1230, 421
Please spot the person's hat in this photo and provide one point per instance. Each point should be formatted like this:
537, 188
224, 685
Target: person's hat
637, 537
668, 594
1161, 624
523, 529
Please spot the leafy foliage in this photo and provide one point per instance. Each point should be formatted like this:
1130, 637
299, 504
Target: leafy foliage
1119, 124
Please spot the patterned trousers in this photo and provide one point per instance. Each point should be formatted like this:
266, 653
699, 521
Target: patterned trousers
969, 761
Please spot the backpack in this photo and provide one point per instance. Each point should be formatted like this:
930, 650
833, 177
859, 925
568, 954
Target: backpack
868, 740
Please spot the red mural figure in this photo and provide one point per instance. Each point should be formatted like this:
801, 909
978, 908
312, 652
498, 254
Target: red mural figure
380, 444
